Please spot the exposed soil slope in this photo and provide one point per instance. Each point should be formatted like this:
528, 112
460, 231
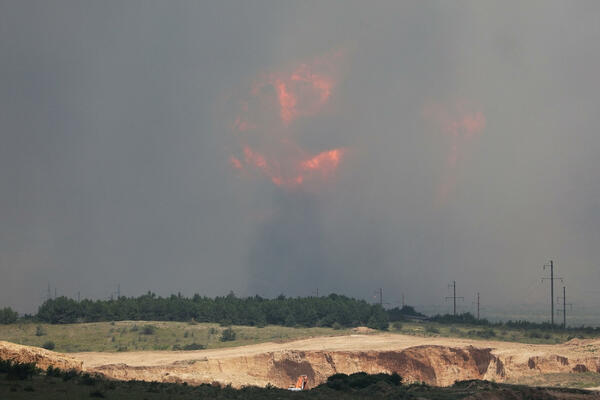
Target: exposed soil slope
436, 361
42, 358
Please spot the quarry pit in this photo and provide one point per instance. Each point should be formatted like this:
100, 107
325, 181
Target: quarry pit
433, 360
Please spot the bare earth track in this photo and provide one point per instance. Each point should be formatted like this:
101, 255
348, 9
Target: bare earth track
436, 361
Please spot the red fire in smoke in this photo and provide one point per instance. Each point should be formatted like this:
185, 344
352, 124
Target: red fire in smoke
461, 122
266, 124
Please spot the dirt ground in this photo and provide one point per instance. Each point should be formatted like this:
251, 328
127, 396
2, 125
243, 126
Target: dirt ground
434, 360
381, 342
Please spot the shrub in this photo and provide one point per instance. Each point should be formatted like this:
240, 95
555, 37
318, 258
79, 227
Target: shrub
148, 330
16, 370
397, 326
70, 374
431, 329
189, 347
49, 345
337, 326
51, 371
228, 335
534, 334
361, 380
40, 331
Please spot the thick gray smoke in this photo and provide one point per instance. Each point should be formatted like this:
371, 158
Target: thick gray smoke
468, 137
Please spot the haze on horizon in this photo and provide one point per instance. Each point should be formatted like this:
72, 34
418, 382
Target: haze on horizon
278, 147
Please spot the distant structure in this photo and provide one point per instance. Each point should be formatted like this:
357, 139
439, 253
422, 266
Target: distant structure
551, 279
565, 304
453, 297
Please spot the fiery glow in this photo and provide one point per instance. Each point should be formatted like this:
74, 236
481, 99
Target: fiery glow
235, 163
325, 161
266, 124
461, 122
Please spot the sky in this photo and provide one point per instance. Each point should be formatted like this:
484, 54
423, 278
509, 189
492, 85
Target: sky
273, 147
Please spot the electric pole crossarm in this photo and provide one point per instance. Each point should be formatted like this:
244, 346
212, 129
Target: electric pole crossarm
454, 297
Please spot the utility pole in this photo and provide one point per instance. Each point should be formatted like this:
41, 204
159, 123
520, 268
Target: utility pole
551, 279
118, 291
478, 305
55, 293
78, 297
402, 300
49, 296
381, 297
453, 297
565, 304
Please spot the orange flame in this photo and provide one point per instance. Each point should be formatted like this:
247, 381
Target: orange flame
267, 117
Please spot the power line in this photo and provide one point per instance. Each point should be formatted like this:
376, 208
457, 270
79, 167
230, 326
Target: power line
565, 304
551, 279
453, 297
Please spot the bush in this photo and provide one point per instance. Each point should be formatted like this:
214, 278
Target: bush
534, 334
189, 347
379, 320
51, 371
70, 374
87, 379
49, 345
40, 331
228, 335
431, 329
361, 380
397, 326
16, 370
148, 330
337, 326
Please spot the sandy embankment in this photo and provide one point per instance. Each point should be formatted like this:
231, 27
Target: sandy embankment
436, 361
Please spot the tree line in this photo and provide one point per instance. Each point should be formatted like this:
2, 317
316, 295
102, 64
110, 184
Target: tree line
331, 311
469, 319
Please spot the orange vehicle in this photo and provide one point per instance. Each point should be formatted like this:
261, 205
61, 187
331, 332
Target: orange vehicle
300, 384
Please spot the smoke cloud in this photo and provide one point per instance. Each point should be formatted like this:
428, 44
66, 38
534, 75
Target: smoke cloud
275, 147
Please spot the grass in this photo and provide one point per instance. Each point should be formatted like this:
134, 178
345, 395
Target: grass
155, 335
580, 380
476, 332
160, 335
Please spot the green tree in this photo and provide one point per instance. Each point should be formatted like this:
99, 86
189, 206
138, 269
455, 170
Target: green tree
8, 315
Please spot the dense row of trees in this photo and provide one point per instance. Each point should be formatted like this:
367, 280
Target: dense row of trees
333, 310
469, 319
8, 315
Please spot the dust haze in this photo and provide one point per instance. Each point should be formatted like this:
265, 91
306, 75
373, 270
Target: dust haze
190, 147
